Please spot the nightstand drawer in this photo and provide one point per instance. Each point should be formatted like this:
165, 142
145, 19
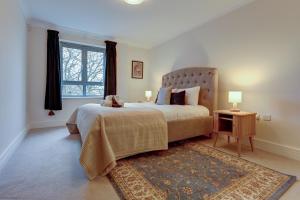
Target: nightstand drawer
244, 125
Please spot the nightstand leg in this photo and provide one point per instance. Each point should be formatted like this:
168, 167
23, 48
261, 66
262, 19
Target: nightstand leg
251, 143
217, 135
239, 146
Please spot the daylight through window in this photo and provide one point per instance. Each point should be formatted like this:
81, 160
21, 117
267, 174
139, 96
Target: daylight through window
82, 70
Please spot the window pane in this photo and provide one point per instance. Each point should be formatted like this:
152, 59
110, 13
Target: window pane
72, 90
72, 64
95, 66
94, 90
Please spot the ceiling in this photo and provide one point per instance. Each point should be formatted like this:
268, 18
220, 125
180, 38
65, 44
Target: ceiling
146, 25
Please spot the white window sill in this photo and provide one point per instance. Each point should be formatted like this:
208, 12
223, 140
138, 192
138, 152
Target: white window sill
71, 98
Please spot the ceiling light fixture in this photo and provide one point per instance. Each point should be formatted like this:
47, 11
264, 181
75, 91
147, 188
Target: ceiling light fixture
134, 2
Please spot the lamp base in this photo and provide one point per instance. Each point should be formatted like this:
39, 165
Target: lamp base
235, 110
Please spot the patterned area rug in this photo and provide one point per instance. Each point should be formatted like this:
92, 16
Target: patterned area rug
189, 170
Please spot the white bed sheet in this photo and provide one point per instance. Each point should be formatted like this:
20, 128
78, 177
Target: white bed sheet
175, 112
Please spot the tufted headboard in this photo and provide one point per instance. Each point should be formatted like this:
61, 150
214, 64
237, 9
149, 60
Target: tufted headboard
206, 78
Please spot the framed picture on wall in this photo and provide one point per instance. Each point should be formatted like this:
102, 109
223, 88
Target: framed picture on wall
137, 69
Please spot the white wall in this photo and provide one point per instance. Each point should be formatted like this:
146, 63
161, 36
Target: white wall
12, 72
129, 89
257, 50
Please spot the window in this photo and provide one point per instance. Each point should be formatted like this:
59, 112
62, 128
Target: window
82, 70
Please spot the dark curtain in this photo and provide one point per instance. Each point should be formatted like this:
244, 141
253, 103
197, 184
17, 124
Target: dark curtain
53, 88
110, 85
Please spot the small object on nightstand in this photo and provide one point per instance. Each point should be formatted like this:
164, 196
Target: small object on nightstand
235, 97
235, 124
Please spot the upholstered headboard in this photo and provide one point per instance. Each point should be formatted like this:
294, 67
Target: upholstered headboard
206, 78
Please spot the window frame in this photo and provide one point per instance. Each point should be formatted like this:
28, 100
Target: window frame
84, 61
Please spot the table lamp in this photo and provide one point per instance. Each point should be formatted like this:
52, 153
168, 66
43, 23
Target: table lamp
148, 95
235, 97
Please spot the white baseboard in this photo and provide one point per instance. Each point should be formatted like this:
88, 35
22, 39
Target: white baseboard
47, 124
279, 149
11, 148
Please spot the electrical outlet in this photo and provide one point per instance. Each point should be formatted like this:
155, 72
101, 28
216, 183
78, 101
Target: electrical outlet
267, 117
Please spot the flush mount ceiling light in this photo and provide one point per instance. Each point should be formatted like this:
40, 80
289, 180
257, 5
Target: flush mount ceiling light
134, 2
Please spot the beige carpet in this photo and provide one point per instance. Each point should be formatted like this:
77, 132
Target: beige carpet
46, 167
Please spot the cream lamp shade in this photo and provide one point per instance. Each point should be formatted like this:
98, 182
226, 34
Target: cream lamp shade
148, 95
134, 2
235, 97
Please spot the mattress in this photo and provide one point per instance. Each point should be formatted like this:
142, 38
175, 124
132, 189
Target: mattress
184, 121
174, 112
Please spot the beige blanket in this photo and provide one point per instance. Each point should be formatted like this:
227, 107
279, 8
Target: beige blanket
109, 134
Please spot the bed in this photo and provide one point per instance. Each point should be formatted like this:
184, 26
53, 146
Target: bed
109, 134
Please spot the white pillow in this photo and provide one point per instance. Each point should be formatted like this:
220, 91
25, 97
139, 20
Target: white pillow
191, 95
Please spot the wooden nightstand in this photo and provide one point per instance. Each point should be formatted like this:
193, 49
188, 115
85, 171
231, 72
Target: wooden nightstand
235, 124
